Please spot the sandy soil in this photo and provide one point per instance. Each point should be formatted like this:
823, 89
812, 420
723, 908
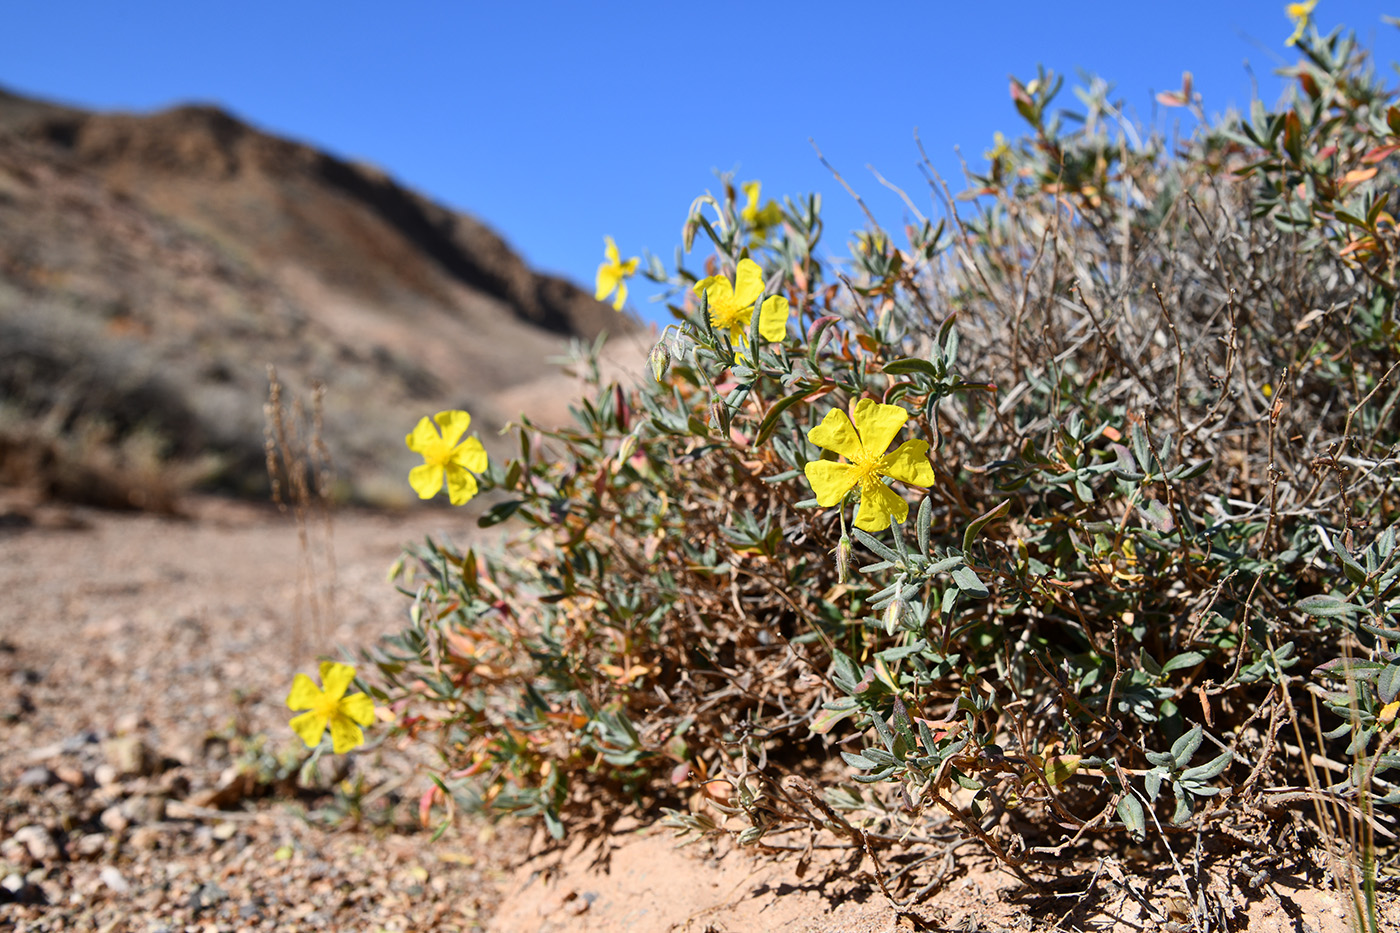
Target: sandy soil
143, 667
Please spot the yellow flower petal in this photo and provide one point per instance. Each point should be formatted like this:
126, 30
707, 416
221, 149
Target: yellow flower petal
461, 485
610, 250
830, 480
454, 424
877, 502
629, 267
909, 464
748, 283
358, 707
836, 433
703, 286
345, 735
471, 455
426, 479
720, 292
310, 727
335, 679
607, 281
304, 694
621, 296
773, 317
878, 424
423, 435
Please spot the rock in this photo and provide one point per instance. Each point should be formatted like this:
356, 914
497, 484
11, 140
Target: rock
71, 745
208, 894
114, 819
128, 723
234, 786
12, 851
37, 776
144, 839
113, 879
147, 808
129, 755
105, 775
73, 777
76, 743
38, 841
87, 846
14, 889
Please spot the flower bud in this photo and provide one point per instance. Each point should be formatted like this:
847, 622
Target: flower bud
896, 611
624, 451
843, 559
659, 359
719, 415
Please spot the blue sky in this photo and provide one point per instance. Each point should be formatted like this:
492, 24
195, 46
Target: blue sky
557, 123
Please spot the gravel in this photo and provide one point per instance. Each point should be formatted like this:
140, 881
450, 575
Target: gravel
143, 666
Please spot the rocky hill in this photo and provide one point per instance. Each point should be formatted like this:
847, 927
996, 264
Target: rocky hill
153, 265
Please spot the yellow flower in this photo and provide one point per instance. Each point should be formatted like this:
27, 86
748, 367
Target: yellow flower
759, 219
613, 274
1301, 14
999, 150
731, 304
863, 441
330, 708
446, 454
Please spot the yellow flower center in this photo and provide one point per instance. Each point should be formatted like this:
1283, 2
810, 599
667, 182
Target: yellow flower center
867, 470
727, 315
436, 453
327, 706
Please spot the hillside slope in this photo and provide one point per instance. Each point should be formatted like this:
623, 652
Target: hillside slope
152, 266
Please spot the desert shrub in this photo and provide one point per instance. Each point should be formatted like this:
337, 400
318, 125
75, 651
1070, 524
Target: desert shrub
1146, 584
98, 427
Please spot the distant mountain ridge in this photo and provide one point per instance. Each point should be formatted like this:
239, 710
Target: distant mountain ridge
198, 162
175, 254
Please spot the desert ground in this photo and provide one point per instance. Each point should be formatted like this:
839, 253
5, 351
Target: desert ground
145, 662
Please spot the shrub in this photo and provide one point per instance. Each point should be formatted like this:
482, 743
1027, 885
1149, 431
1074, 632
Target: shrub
1156, 386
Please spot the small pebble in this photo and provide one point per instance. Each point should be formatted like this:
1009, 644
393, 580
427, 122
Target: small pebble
76, 743
113, 879
114, 819
144, 838
73, 777
37, 776
145, 808
87, 846
129, 755
38, 841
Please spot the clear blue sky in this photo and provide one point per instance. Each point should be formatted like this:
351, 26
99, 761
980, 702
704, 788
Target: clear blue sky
559, 122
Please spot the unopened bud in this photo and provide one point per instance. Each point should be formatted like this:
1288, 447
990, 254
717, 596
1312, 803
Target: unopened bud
625, 449
895, 611
843, 559
659, 359
719, 415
